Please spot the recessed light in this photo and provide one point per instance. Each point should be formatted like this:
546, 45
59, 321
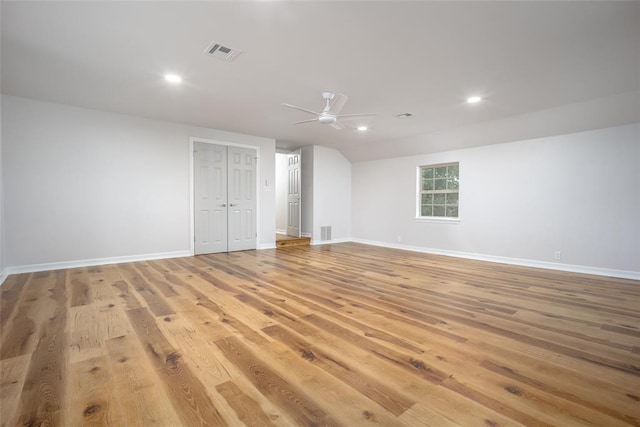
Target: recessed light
362, 128
173, 78
474, 99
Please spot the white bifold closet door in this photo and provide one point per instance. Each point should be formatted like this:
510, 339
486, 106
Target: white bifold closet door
225, 198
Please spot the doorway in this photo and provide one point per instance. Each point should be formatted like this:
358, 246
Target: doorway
224, 198
290, 200
294, 198
289, 197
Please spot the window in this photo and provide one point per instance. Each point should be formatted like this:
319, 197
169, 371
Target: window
438, 191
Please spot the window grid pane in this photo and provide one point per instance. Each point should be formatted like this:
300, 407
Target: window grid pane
439, 187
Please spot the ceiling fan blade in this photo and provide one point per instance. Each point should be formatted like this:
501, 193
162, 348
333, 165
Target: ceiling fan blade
337, 103
337, 125
343, 116
295, 107
306, 121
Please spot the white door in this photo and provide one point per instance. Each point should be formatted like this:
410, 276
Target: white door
242, 198
225, 198
210, 169
294, 216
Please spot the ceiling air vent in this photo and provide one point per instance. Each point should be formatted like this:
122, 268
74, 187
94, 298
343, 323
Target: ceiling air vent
219, 51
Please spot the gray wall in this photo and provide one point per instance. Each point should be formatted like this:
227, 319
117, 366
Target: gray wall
83, 184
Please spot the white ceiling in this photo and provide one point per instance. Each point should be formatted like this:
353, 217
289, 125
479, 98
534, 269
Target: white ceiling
387, 57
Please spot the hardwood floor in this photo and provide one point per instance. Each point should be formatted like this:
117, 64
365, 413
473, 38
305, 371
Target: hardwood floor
340, 335
284, 241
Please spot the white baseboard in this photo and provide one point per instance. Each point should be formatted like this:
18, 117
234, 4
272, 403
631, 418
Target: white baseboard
91, 262
623, 274
305, 234
328, 242
281, 231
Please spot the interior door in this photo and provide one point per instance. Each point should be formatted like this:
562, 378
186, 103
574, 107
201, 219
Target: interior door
210, 194
242, 198
294, 216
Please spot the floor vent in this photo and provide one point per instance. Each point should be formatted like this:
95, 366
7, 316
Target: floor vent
219, 51
325, 232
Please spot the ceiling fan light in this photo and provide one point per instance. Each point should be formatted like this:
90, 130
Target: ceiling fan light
327, 119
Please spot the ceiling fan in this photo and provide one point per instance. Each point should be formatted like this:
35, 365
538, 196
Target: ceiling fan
334, 102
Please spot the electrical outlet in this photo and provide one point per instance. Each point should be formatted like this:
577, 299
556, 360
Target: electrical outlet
557, 255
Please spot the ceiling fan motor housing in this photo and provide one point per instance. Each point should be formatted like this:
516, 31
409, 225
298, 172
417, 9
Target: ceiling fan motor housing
327, 119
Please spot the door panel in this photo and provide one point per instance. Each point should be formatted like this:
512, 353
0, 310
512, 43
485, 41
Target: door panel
210, 195
242, 198
294, 195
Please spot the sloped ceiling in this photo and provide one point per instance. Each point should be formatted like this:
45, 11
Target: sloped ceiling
580, 60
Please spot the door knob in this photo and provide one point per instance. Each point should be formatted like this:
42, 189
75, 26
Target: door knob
232, 204
224, 205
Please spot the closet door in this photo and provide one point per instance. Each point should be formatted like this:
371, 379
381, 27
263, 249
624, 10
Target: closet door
242, 198
210, 188
225, 198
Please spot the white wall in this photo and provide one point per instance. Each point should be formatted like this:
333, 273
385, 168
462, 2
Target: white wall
2, 251
576, 193
2, 238
84, 184
331, 193
282, 182
306, 159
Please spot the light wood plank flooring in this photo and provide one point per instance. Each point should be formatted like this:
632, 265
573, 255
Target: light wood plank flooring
340, 335
284, 241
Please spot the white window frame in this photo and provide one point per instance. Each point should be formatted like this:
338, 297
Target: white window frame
419, 192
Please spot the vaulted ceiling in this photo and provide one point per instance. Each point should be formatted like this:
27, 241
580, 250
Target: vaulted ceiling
388, 57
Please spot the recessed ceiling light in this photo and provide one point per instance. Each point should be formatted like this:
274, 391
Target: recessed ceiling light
362, 128
474, 99
173, 78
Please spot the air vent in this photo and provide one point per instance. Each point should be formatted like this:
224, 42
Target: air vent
219, 51
325, 232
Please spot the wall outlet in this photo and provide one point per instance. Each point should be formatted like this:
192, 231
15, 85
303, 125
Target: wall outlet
557, 255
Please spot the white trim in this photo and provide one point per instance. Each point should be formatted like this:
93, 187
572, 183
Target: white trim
440, 219
32, 268
192, 231
262, 246
281, 232
328, 242
623, 274
305, 234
